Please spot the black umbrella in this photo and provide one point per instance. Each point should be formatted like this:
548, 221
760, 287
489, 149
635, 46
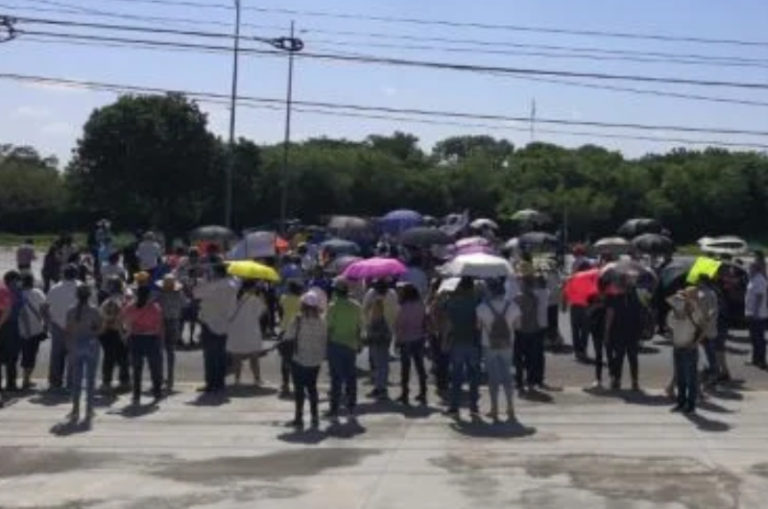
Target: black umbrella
653, 243
212, 233
423, 236
340, 247
537, 240
638, 226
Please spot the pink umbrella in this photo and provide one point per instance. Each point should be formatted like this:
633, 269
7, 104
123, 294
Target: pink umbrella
374, 268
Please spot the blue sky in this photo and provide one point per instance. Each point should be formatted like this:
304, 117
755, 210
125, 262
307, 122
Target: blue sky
50, 117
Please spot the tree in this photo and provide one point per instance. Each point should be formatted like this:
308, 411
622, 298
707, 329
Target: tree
400, 145
458, 148
146, 160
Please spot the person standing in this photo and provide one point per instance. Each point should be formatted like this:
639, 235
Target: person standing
498, 318
110, 270
685, 322
61, 298
623, 328
149, 253
172, 301
756, 311
143, 322
190, 272
344, 318
554, 284
111, 337
529, 340
10, 340
309, 332
244, 339
32, 328
25, 255
289, 308
596, 312
51, 271
464, 341
379, 313
437, 325
707, 300
218, 300
579, 318
411, 334
84, 323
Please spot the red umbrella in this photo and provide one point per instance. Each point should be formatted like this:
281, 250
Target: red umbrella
581, 286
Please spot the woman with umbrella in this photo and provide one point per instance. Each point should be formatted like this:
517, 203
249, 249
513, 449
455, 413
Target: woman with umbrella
244, 341
623, 328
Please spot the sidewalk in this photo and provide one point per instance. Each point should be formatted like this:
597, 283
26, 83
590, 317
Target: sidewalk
579, 451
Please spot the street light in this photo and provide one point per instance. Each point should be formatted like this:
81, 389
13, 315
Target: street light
7, 24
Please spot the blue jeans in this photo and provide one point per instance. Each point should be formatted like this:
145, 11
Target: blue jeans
380, 359
148, 347
465, 367
498, 365
214, 358
341, 361
757, 335
686, 372
83, 363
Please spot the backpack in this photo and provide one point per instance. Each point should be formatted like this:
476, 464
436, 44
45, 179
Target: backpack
500, 334
378, 332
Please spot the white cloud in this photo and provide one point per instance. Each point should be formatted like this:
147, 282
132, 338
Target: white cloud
389, 91
59, 129
28, 111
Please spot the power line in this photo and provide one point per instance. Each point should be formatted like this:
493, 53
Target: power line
164, 46
671, 57
460, 24
388, 110
371, 59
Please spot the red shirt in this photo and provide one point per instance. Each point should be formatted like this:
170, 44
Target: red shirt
6, 298
146, 321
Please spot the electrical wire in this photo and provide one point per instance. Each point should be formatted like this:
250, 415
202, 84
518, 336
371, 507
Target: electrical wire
385, 109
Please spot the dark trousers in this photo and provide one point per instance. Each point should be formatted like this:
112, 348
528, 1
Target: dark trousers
146, 347
29, 349
757, 335
214, 359
115, 354
305, 387
709, 352
172, 337
465, 367
441, 362
529, 358
285, 371
412, 353
10, 350
686, 373
341, 361
622, 347
602, 353
579, 329
58, 358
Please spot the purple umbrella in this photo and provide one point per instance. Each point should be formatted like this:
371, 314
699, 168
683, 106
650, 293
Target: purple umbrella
374, 268
398, 221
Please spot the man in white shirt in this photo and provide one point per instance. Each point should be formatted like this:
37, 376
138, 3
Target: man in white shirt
218, 301
149, 252
61, 298
756, 311
498, 318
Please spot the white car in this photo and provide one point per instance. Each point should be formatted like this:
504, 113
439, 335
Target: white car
727, 245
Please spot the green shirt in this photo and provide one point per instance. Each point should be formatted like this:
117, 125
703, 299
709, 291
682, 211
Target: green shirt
344, 322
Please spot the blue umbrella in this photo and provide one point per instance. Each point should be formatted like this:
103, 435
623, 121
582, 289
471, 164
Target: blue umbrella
340, 247
398, 221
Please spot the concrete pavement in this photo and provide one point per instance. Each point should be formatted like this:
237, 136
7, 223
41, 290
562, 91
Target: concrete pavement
571, 449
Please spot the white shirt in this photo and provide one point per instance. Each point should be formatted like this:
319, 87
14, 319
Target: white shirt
485, 317
244, 331
31, 321
148, 253
218, 300
60, 299
757, 286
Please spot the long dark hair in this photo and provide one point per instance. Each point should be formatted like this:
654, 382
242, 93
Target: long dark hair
83, 295
142, 296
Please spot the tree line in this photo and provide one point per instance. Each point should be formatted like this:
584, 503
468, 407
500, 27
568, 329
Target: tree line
151, 161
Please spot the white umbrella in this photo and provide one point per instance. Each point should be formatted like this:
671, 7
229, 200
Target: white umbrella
259, 244
479, 224
478, 265
617, 245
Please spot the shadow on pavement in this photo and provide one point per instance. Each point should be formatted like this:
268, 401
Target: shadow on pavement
392, 407
630, 397
306, 437
349, 429
136, 411
481, 429
648, 350
64, 429
560, 349
250, 391
211, 399
535, 396
51, 398
706, 424
711, 406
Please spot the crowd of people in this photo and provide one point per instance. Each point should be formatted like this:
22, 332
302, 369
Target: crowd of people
142, 303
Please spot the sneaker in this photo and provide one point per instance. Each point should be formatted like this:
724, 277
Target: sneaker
403, 399
295, 423
636, 387
422, 399
511, 417
315, 423
690, 409
453, 413
677, 408
597, 384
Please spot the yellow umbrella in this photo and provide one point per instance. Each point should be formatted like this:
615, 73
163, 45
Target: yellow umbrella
253, 270
703, 267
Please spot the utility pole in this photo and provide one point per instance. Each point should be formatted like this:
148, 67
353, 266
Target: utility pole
232, 118
287, 140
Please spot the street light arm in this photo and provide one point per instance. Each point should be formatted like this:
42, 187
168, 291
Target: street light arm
289, 44
7, 24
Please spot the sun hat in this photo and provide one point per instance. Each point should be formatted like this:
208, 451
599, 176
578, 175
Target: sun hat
310, 299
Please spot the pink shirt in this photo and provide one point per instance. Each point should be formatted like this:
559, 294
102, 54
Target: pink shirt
146, 321
409, 325
6, 298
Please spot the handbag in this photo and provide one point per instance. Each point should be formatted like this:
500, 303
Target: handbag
287, 347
